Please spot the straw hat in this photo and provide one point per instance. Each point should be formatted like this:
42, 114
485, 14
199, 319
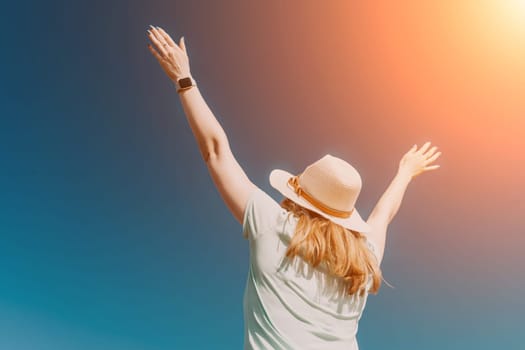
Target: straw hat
330, 187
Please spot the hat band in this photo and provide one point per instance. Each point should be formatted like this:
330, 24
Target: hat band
294, 181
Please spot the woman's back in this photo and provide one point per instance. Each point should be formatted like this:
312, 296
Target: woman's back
288, 304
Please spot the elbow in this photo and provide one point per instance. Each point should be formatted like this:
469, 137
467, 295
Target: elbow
214, 148
208, 155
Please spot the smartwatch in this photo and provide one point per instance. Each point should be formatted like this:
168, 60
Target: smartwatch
185, 83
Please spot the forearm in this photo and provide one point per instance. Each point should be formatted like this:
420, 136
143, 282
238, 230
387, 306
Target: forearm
391, 199
206, 128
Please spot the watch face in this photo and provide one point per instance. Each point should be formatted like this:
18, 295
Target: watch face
185, 82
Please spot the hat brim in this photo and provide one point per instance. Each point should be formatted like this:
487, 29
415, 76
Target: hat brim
279, 180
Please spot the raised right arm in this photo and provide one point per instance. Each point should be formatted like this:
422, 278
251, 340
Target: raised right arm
385, 210
412, 164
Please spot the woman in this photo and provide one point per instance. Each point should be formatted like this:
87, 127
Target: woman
313, 259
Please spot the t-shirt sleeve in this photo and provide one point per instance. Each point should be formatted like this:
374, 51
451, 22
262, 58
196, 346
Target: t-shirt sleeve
260, 215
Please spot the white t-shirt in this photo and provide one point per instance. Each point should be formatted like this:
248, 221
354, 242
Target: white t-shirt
291, 305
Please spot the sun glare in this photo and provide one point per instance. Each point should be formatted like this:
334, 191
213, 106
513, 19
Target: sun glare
502, 25
513, 13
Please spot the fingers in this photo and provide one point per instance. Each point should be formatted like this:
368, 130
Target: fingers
166, 37
158, 35
155, 53
433, 158
430, 152
158, 40
424, 148
431, 167
183, 45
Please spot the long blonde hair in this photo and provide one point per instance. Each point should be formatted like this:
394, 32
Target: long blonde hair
343, 251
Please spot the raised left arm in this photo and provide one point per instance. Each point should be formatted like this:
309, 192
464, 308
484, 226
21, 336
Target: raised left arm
230, 179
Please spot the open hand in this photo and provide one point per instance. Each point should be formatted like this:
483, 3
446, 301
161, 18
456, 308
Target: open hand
172, 58
415, 162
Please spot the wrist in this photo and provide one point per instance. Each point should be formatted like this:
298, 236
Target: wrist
404, 175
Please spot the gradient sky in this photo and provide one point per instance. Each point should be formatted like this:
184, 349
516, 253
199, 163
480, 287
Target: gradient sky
113, 236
